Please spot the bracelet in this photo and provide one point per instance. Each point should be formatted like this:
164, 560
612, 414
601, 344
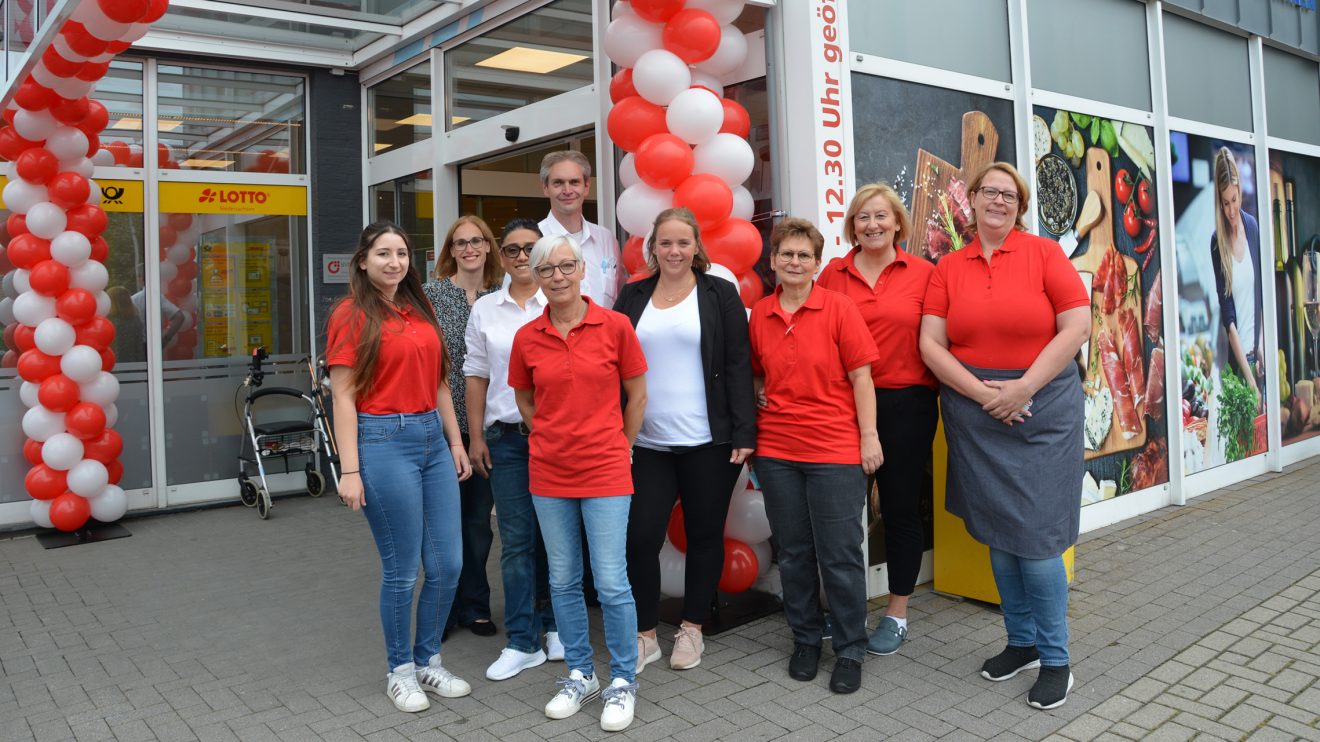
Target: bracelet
455, 445
345, 473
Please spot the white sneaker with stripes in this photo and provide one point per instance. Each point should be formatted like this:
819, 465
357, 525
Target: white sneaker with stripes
402, 688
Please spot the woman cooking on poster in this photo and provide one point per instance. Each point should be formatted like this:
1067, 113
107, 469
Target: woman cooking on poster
1235, 253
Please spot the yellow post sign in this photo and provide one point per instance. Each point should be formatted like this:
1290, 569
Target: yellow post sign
116, 195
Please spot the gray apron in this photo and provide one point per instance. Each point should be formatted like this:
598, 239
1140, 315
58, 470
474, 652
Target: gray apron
1017, 488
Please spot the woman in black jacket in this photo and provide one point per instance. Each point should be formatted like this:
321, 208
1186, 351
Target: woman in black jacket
699, 428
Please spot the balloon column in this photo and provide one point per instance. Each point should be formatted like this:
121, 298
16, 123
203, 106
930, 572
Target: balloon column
746, 545
686, 143
55, 304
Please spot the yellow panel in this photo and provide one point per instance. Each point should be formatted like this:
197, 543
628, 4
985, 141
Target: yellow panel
116, 195
228, 198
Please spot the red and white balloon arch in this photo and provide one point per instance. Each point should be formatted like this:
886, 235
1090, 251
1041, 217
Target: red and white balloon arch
55, 305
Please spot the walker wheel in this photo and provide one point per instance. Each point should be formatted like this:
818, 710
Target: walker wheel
247, 492
315, 482
263, 503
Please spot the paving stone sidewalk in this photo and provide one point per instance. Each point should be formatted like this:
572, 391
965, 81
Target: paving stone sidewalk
212, 625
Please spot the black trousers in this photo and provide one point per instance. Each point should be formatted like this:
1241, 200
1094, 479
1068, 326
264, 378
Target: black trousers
702, 479
905, 419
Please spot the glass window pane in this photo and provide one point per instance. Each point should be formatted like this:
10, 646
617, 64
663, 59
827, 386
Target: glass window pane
379, 11
972, 35
410, 203
1200, 58
224, 120
20, 27
1067, 62
121, 92
508, 186
537, 56
400, 109
267, 31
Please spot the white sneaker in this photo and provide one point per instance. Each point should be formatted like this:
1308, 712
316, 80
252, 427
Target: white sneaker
442, 682
402, 688
574, 691
554, 649
620, 698
511, 662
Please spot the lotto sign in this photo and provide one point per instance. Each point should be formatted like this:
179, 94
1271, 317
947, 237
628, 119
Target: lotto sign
334, 267
226, 198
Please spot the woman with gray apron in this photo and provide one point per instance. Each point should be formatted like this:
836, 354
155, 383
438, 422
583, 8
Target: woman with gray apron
1003, 319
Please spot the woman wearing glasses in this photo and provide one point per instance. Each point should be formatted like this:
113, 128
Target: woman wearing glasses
1004, 318
699, 428
816, 444
463, 274
566, 369
499, 451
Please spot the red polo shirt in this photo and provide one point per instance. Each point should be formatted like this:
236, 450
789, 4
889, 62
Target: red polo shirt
577, 447
407, 364
892, 310
805, 359
1001, 313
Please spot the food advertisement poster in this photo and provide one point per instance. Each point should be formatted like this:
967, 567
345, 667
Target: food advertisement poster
927, 142
1294, 193
1096, 195
1221, 317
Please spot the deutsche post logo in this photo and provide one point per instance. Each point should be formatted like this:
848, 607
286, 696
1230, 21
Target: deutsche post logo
112, 194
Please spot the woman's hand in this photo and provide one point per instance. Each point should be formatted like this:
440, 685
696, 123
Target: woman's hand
1011, 403
740, 455
462, 466
351, 492
479, 455
872, 456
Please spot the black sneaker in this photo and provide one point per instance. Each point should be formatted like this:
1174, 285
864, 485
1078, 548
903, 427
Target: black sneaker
1051, 688
1010, 662
847, 676
804, 662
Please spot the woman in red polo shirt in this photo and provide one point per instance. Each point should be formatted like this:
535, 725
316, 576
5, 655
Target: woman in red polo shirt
888, 286
1004, 318
401, 453
566, 369
816, 443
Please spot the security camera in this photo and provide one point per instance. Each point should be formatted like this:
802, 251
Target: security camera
510, 132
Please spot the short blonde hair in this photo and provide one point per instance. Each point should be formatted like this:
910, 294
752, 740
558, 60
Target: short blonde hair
868, 192
1024, 191
797, 227
700, 261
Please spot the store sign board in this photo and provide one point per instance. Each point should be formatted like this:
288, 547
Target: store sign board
232, 198
116, 195
827, 86
334, 267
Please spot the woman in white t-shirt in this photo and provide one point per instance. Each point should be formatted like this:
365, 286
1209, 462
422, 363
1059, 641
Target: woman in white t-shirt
699, 427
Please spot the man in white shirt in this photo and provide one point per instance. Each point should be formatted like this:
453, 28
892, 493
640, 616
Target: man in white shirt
565, 180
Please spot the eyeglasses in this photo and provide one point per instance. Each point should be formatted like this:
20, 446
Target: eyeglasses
511, 250
990, 194
567, 268
801, 257
475, 243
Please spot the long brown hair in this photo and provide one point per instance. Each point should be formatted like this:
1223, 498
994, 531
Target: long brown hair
1226, 176
446, 265
369, 311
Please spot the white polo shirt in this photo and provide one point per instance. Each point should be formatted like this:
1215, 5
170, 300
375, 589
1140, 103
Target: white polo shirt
494, 320
601, 252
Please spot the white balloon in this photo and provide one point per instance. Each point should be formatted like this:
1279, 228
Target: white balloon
40, 512
103, 57
61, 45
628, 176
82, 165
27, 391
103, 157
45, 220
103, 28
7, 284
659, 75
22, 280
134, 149
763, 557
725, 11
20, 195
709, 82
102, 390
67, 143
41, 424
32, 308
629, 37
110, 505
81, 363
695, 116
729, 56
189, 303
73, 87
88, 477
168, 271
111, 414
639, 205
7, 311
91, 275
728, 156
747, 520
10, 170
54, 336
44, 76
673, 570
71, 248
34, 126
93, 190
622, 8
103, 303
136, 31
744, 206
179, 254
722, 271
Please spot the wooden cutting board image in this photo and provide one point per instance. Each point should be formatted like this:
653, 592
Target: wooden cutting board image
980, 139
1101, 239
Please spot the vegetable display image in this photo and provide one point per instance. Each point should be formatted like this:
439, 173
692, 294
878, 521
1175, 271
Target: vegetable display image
1095, 194
1221, 315
1294, 194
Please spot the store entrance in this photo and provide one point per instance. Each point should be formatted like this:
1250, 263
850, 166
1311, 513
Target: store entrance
507, 185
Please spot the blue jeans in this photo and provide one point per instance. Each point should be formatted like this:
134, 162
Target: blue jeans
472, 601
1033, 594
815, 513
412, 506
606, 521
523, 568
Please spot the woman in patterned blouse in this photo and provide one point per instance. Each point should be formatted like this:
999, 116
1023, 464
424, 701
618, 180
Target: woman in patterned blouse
463, 273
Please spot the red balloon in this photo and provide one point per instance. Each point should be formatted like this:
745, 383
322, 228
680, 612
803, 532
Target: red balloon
634, 278
59, 66
37, 165
168, 236
740, 567
124, 11
25, 338
68, 189
49, 278
119, 150
8, 115
100, 250
76, 306
657, 11
708, 197
115, 469
632, 120
94, 71
9, 334
188, 271
97, 332
69, 111
96, 119
36, 367
80, 41
621, 85
69, 512
105, 447
155, 9
33, 96
663, 161
45, 483
677, 531
16, 224
163, 154
26, 250
692, 34
634, 260
135, 159
751, 288
735, 244
187, 338
179, 287
108, 359
5, 265
85, 420
32, 451
88, 219
12, 145
93, 144
58, 392
9, 359
736, 119
180, 222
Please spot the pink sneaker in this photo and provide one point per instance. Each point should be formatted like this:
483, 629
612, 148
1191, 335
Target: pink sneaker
688, 647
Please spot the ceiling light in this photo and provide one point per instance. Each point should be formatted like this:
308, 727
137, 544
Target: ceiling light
417, 119
456, 120
381, 145
524, 59
205, 163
